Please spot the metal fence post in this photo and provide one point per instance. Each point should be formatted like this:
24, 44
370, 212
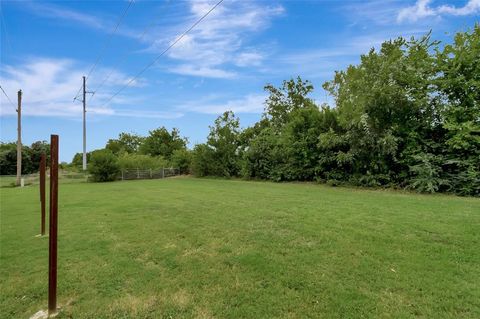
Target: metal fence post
163, 172
138, 174
42, 193
150, 173
52, 247
122, 174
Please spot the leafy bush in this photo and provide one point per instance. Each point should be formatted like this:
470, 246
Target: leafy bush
426, 174
181, 159
258, 158
162, 142
30, 157
103, 166
203, 163
134, 161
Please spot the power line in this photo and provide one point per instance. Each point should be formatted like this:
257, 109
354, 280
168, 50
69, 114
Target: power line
102, 51
125, 56
8, 97
165, 51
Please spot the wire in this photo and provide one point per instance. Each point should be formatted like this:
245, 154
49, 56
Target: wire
125, 56
106, 44
163, 52
8, 97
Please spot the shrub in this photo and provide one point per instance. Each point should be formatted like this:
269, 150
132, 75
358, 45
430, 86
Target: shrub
182, 159
134, 161
103, 166
426, 174
203, 163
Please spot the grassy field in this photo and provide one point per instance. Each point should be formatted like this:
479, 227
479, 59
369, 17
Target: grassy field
202, 248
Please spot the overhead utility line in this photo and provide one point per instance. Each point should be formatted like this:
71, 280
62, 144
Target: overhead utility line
1, 88
163, 53
124, 57
102, 51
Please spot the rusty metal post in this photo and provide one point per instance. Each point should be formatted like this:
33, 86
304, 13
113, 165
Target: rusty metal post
42, 192
52, 258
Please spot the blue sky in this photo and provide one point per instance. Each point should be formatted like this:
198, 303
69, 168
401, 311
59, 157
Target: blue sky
222, 64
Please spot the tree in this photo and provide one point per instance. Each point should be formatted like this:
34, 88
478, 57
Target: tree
182, 159
77, 160
203, 161
126, 142
281, 101
140, 161
103, 166
382, 101
162, 142
30, 157
262, 157
459, 83
36, 150
8, 158
224, 141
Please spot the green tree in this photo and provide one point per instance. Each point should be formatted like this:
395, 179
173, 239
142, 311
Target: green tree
459, 83
77, 160
382, 101
30, 157
126, 142
162, 142
292, 95
263, 156
203, 161
103, 166
224, 139
140, 161
182, 159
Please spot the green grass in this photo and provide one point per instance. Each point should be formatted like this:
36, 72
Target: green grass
202, 248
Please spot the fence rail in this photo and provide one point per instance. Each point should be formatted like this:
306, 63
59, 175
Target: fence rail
128, 174
34, 179
66, 176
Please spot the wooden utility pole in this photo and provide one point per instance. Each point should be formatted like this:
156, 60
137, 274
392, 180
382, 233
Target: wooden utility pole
19, 138
84, 162
52, 247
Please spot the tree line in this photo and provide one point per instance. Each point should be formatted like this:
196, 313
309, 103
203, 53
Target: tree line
31, 156
161, 148
407, 116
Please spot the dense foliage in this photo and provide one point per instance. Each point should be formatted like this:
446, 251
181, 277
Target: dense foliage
408, 115
161, 142
141, 161
103, 166
30, 157
159, 149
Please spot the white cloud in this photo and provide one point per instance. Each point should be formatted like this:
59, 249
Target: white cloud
472, 7
423, 9
49, 86
252, 103
57, 12
203, 71
148, 114
252, 58
321, 63
219, 40
363, 14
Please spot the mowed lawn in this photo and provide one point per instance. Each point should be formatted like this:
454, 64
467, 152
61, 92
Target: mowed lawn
205, 248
